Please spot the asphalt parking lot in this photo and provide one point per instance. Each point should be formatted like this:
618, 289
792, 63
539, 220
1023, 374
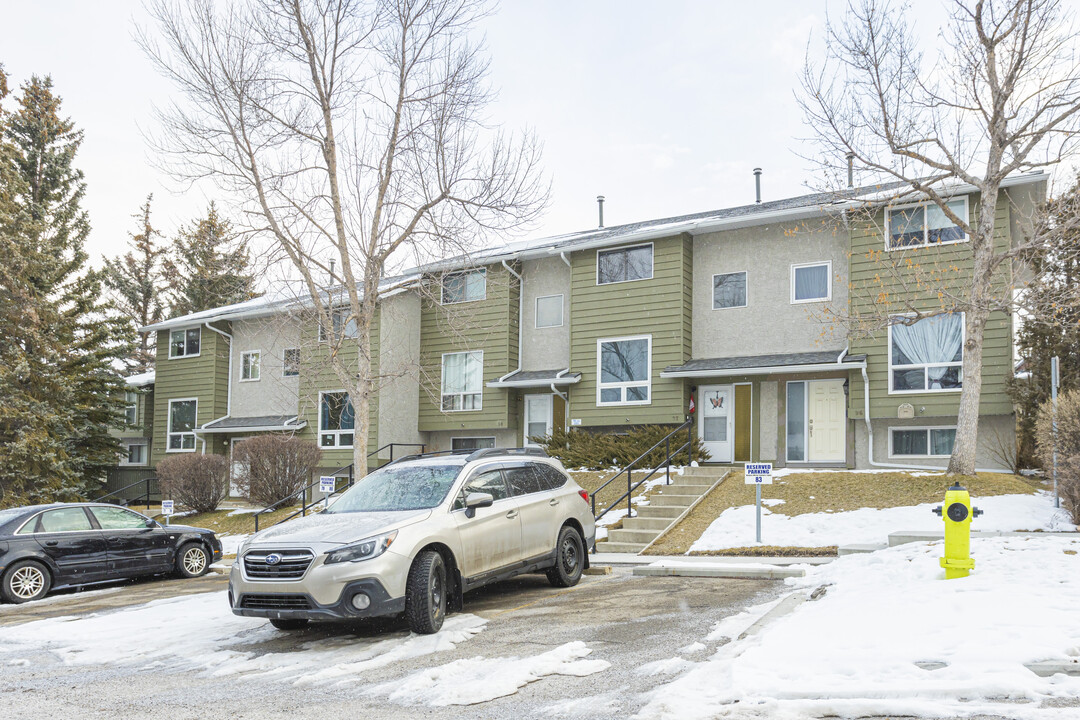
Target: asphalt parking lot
520, 649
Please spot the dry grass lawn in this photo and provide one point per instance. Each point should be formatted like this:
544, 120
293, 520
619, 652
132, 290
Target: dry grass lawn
830, 492
222, 521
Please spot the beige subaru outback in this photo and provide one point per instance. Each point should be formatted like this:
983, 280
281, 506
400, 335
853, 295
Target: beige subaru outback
414, 536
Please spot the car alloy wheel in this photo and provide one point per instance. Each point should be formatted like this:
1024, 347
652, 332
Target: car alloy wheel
27, 582
195, 561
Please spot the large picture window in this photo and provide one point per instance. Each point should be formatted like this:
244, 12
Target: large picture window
729, 290
462, 381
464, 286
925, 224
921, 442
623, 369
927, 356
624, 264
811, 282
181, 431
337, 420
184, 343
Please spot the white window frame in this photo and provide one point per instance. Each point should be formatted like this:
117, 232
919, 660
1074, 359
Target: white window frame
828, 276
536, 311
473, 437
927, 366
927, 429
169, 431
442, 286
185, 354
285, 363
127, 445
746, 283
622, 386
336, 433
442, 371
652, 265
243, 357
926, 230
133, 420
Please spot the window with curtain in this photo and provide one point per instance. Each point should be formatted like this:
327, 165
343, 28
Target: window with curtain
462, 381
925, 224
923, 442
729, 290
623, 264
811, 283
624, 371
927, 355
464, 286
337, 420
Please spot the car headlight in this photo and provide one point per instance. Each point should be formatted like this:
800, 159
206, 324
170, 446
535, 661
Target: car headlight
363, 550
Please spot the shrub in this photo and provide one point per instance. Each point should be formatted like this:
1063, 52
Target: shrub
601, 450
1068, 448
272, 467
199, 482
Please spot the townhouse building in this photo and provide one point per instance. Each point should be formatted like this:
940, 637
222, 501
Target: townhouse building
734, 310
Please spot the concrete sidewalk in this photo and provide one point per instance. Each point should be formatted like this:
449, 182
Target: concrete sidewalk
631, 560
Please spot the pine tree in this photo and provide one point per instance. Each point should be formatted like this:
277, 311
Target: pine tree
209, 267
137, 281
60, 392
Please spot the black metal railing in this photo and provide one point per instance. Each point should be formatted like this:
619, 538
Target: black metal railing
302, 494
140, 499
394, 445
665, 465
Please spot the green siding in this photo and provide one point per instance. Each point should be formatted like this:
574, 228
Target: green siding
490, 325
660, 306
872, 268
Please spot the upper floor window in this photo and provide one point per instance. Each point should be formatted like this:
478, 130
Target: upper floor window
624, 370
623, 264
463, 381
549, 311
249, 365
344, 325
811, 282
464, 286
337, 420
131, 412
290, 362
184, 343
729, 290
181, 430
924, 224
928, 355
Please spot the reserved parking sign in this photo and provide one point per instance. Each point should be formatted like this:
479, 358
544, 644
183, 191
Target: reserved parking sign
167, 507
758, 473
326, 483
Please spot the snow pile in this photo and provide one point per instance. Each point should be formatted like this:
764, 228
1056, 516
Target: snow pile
735, 526
230, 544
476, 680
853, 651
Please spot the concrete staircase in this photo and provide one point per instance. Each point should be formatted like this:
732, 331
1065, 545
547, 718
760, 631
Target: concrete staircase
667, 505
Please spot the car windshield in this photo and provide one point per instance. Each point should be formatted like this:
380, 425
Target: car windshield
398, 487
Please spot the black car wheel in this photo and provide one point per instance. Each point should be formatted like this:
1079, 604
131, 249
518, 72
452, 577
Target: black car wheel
192, 560
425, 593
289, 623
569, 559
25, 581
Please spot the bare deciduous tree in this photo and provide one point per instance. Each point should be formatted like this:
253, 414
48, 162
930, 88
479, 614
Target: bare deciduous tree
355, 131
1002, 97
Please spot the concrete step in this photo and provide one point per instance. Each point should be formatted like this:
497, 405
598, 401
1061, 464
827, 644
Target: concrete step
860, 548
687, 487
672, 500
647, 523
660, 511
619, 547
713, 472
632, 536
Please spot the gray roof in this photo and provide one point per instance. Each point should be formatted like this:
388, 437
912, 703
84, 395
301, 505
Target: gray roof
750, 362
537, 378
260, 421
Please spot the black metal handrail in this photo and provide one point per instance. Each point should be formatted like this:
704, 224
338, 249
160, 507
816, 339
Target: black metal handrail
392, 446
666, 464
303, 493
145, 496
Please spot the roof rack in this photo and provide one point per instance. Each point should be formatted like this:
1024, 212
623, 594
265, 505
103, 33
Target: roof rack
433, 453
488, 452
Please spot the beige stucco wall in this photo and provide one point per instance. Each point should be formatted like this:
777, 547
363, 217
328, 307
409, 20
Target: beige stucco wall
271, 394
769, 323
399, 363
545, 348
440, 440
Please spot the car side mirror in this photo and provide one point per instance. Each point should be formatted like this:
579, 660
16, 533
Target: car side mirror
475, 500
151, 523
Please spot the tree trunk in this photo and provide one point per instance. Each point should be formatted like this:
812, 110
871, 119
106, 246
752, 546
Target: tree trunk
362, 401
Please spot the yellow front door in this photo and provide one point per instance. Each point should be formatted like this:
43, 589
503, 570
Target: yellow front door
827, 420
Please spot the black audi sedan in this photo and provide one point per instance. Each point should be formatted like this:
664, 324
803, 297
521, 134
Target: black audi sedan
43, 547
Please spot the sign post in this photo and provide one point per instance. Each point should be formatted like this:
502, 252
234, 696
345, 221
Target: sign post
167, 509
758, 474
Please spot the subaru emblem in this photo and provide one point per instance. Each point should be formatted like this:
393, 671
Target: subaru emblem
273, 559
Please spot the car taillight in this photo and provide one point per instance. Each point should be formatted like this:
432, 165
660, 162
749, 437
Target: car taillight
584, 495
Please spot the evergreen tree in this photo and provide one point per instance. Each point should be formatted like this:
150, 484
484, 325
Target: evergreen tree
137, 281
209, 267
60, 392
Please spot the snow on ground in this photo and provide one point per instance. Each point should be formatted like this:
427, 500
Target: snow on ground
853, 651
197, 632
617, 514
58, 599
230, 544
476, 680
735, 526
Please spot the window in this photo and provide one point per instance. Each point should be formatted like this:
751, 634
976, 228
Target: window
624, 264
550, 477
623, 369
472, 443
462, 381
811, 282
549, 311
131, 412
928, 355
464, 286
921, 442
182, 414
729, 290
184, 343
924, 224
796, 421
249, 365
290, 362
344, 325
114, 518
522, 480
63, 520
488, 482
337, 420
134, 453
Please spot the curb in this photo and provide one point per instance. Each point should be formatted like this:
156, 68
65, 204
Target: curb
758, 573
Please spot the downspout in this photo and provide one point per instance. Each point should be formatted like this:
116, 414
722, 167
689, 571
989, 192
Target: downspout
229, 384
521, 319
565, 259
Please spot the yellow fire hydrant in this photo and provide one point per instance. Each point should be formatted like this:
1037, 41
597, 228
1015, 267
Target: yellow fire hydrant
957, 515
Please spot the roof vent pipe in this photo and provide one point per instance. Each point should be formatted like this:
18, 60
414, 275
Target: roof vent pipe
600, 204
757, 183
851, 169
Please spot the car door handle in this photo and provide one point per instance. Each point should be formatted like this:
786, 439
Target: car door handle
512, 514
553, 502
52, 543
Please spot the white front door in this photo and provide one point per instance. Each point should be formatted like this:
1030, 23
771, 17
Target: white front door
716, 421
537, 417
827, 421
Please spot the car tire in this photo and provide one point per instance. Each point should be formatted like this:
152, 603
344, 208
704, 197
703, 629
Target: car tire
289, 623
24, 581
569, 559
192, 560
426, 593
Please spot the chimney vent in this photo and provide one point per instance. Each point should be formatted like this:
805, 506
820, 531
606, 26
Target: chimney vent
600, 204
757, 183
851, 169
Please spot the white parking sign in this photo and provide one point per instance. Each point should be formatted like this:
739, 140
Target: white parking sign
166, 507
758, 473
326, 484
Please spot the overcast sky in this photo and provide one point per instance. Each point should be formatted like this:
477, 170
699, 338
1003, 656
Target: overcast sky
663, 107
